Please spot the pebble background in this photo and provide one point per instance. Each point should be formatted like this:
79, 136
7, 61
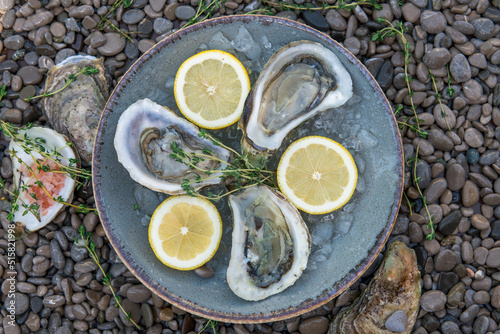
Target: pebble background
59, 289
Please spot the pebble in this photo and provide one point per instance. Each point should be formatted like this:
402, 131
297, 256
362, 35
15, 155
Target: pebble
38, 20
15, 42
97, 39
54, 301
473, 138
145, 44
132, 16
162, 25
450, 223
384, 76
397, 322
335, 20
138, 293
435, 189
483, 28
460, 69
315, 325
445, 260
437, 58
183, 13
455, 175
30, 75
432, 22
114, 44
493, 260
432, 301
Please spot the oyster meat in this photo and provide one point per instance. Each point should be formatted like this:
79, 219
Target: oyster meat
393, 291
143, 139
300, 80
75, 111
270, 246
30, 193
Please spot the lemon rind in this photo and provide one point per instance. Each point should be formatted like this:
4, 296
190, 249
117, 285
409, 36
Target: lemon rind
298, 202
180, 81
154, 240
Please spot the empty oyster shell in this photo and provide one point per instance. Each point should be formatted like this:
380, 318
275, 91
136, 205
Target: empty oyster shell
75, 112
300, 80
57, 184
143, 139
394, 288
271, 243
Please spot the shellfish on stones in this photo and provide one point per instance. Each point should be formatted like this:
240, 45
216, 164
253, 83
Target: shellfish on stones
394, 288
300, 80
75, 111
143, 142
34, 208
271, 243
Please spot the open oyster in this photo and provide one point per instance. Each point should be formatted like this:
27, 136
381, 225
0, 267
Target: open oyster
299, 80
271, 243
75, 112
35, 207
143, 139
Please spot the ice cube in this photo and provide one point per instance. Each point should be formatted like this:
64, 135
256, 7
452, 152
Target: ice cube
147, 200
323, 231
360, 163
361, 185
367, 139
145, 220
243, 41
343, 224
219, 41
170, 83
265, 42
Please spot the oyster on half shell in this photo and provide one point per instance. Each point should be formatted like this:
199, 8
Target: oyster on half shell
271, 243
300, 80
43, 209
143, 139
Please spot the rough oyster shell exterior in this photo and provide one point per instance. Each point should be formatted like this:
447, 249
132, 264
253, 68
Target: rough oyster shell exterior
76, 111
395, 287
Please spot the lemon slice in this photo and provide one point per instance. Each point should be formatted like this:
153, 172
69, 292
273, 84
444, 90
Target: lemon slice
185, 232
317, 174
210, 89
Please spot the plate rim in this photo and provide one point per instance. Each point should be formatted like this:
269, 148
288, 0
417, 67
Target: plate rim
256, 317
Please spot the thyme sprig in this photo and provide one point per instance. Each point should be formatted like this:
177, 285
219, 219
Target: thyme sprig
450, 90
342, 4
398, 30
239, 171
87, 70
3, 92
205, 8
210, 323
45, 160
111, 14
86, 238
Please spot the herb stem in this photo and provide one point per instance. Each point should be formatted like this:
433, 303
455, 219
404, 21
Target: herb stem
90, 246
87, 70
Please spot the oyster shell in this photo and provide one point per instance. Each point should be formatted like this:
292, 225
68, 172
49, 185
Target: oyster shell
300, 80
271, 243
394, 288
143, 140
75, 112
57, 184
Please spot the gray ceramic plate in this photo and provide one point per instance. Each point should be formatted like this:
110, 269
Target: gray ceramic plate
365, 125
